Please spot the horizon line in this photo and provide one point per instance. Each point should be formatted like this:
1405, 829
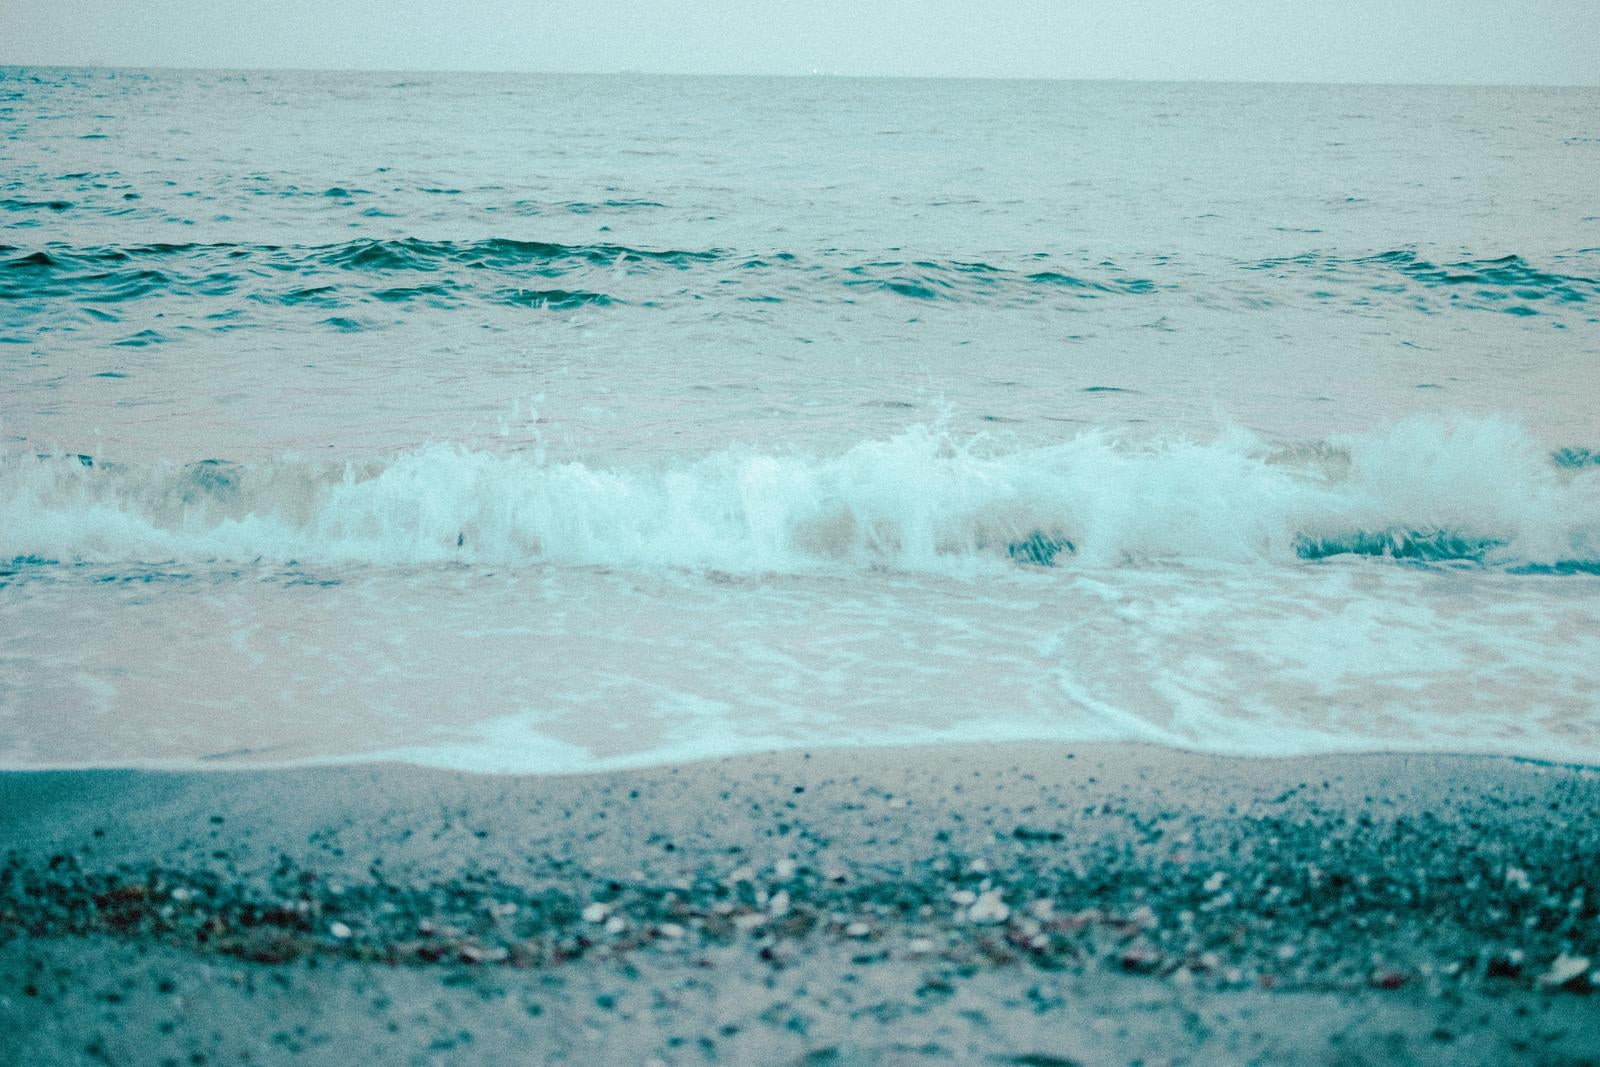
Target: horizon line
792, 75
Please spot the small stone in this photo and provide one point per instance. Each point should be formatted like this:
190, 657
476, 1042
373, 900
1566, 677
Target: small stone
858, 929
919, 946
616, 924
784, 869
1517, 878
778, 906
1384, 978
1144, 916
671, 931
964, 897
1140, 959
596, 913
340, 930
1214, 883
989, 908
749, 920
1564, 969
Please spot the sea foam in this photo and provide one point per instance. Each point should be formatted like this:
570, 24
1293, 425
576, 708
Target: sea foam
1427, 488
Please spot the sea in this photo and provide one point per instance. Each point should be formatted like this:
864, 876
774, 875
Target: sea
535, 423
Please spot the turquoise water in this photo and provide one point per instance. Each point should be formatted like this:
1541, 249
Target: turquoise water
550, 423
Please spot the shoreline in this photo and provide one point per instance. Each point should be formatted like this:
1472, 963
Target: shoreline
995, 903
409, 758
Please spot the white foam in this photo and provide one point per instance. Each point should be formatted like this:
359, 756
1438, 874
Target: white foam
921, 501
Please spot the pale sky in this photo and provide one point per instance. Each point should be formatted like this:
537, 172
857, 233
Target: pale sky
1545, 42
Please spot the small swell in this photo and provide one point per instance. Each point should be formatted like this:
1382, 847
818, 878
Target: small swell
503, 271
1507, 284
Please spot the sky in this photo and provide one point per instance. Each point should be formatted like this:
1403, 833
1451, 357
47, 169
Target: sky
1540, 42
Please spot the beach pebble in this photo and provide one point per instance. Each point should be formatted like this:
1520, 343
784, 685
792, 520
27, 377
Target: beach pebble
1563, 969
616, 924
340, 930
596, 913
1140, 958
858, 929
672, 931
1383, 978
989, 908
1214, 883
479, 954
919, 946
964, 897
784, 869
778, 906
1517, 878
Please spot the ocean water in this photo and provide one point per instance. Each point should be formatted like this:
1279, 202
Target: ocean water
538, 423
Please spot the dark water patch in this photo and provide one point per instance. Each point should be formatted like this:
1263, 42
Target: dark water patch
1040, 549
1506, 284
1091, 286
319, 295
1425, 546
140, 340
1560, 568
343, 324
407, 253
209, 478
907, 287
33, 205
1575, 458
109, 374
553, 299
584, 207
499, 253
112, 287
1107, 389
436, 293
32, 261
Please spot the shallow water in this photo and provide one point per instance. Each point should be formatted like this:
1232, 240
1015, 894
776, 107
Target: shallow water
551, 423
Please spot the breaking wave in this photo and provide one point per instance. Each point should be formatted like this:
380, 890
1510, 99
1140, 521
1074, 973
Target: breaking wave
1427, 491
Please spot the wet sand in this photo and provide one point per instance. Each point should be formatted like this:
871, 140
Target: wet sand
1039, 904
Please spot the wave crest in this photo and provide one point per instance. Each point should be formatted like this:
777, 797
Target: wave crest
1427, 490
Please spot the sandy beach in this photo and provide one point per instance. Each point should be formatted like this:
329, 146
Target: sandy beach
998, 904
